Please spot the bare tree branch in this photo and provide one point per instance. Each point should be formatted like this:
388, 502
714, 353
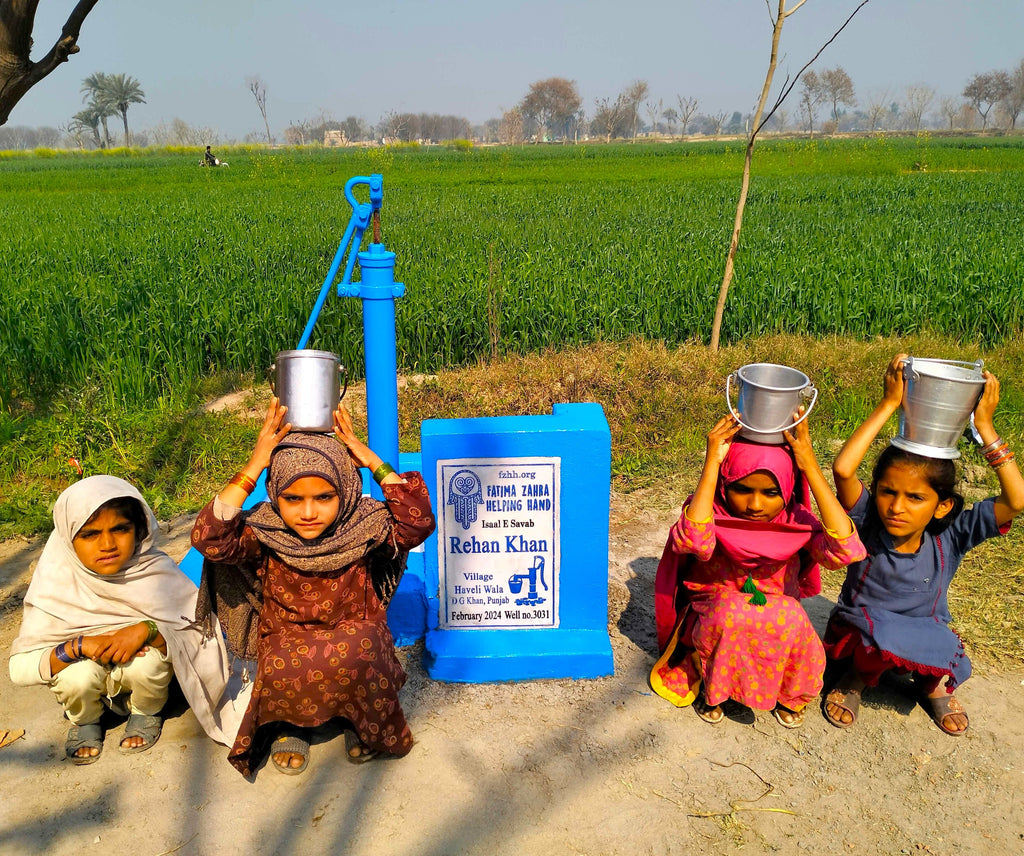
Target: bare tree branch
787, 89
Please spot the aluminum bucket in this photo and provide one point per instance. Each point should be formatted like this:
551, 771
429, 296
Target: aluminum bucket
938, 399
308, 384
768, 397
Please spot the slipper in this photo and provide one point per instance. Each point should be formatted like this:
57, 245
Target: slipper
845, 699
796, 716
352, 741
144, 726
293, 743
705, 711
943, 706
88, 736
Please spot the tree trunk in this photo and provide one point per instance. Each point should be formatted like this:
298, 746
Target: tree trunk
124, 117
730, 259
18, 74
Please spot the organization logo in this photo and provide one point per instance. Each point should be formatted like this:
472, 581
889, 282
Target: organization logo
465, 493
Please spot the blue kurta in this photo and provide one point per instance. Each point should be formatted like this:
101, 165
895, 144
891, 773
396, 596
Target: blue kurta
898, 600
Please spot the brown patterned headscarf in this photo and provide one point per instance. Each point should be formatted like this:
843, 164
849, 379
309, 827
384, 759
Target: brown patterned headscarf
362, 524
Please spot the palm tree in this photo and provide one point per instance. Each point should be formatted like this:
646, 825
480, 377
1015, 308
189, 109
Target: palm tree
121, 91
89, 118
95, 86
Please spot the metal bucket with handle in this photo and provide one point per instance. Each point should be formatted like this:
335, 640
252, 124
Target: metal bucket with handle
938, 399
769, 395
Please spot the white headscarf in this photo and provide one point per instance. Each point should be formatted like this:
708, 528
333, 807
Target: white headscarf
65, 599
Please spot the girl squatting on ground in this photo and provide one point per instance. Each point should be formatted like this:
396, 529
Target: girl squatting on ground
107, 623
747, 545
302, 581
892, 612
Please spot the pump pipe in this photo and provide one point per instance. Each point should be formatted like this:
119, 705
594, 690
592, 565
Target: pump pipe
378, 291
360, 219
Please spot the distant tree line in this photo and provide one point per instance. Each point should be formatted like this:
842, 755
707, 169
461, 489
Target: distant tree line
552, 110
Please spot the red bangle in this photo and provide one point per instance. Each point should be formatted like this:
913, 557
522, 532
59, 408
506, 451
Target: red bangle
997, 452
243, 481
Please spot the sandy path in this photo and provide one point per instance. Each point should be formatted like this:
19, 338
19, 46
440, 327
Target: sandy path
597, 767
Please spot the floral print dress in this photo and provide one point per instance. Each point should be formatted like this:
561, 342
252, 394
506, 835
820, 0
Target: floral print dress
325, 649
757, 655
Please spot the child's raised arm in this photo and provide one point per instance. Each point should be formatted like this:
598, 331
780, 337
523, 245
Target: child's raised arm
719, 440
361, 454
1010, 501
844, 467
236, 491
833, 517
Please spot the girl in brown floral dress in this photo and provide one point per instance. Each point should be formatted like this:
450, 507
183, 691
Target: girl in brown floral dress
301, 583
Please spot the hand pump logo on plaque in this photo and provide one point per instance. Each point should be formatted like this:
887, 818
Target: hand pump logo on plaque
498, 547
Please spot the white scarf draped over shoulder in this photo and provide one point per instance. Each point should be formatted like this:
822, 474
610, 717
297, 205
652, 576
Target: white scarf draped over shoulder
65, 599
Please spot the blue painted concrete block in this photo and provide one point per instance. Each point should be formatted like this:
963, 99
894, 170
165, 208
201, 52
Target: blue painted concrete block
517, 573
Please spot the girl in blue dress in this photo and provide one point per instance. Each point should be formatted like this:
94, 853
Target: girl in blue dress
892, 612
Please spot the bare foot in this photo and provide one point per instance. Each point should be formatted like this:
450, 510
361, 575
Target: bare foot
288, 759
836, 709
132, 742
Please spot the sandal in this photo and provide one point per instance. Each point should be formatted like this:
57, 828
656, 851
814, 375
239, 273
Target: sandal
88, 736
943, 706
293, 743
352, 741
847, 700
705, 711
796, 717
144, 726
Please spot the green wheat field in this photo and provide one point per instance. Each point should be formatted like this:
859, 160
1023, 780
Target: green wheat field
144, 274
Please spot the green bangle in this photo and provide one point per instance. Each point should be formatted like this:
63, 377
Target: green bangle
382, 472
154, 631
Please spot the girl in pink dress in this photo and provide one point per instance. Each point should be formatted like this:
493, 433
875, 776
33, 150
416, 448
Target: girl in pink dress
745, 548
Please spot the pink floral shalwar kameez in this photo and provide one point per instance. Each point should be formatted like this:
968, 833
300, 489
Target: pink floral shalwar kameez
757, 655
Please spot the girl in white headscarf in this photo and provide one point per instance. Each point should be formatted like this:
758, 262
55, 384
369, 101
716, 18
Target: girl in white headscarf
108, 621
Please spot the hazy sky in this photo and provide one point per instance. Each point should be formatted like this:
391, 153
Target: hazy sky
475, 57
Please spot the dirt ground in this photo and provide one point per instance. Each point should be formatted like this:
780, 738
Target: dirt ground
595, 767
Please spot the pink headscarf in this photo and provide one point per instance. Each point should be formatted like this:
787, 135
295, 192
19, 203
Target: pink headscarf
751, 543
747, 543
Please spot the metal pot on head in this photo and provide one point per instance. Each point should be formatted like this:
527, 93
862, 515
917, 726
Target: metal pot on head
769, 395
938, 399
308, 383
